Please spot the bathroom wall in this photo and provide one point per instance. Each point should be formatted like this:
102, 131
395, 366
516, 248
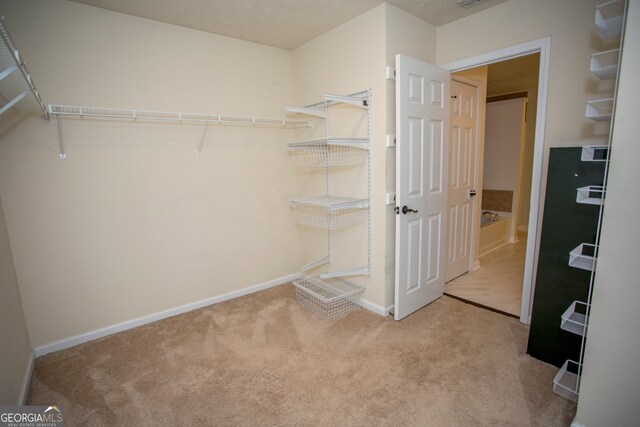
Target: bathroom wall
504, 142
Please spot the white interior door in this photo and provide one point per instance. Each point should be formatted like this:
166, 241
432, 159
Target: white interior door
422, 129
462, 176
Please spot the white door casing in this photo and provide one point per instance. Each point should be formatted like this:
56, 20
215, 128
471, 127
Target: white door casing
422, 130
463, 148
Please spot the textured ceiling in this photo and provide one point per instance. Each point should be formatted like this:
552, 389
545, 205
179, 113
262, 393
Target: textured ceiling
514, 75
281, 23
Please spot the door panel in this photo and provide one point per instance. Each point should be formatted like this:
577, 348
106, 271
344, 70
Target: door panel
422, 112
461, 178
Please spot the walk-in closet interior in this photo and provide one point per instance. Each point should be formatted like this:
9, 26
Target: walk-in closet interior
235, 213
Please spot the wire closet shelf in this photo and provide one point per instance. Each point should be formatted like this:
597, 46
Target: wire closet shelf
171, 117
329, 212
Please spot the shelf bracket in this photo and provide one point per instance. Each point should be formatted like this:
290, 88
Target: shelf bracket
60, 138
8, 71
317, 263
14, 101
204, 135
359, 271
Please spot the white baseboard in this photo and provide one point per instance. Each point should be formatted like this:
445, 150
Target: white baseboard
375, 308
577, 424
130, 324
26, 381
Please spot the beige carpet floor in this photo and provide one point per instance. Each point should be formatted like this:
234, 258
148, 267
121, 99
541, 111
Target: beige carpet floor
263, 360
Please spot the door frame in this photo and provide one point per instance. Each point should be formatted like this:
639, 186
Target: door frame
542, 46
476, 201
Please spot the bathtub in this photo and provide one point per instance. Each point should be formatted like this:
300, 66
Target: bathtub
494, 234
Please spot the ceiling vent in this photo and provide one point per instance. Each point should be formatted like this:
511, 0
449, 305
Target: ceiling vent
468, 3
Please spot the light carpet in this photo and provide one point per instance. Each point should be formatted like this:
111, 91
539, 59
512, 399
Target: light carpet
263, 360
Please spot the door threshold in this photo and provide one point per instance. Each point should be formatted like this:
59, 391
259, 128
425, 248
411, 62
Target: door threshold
495, 310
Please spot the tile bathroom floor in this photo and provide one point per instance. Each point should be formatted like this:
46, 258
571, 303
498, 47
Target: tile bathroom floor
498, 282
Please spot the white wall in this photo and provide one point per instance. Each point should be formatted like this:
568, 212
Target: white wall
15, 347
134, 221
610, 388
503, 137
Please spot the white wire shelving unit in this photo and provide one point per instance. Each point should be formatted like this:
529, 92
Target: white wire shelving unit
330, 212
12, 65
610, 19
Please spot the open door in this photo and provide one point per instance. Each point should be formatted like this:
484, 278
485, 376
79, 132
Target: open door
463, 149
422, 130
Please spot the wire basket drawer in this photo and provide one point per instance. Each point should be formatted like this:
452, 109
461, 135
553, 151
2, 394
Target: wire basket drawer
316, 216
329, 212
324, 153
329, 299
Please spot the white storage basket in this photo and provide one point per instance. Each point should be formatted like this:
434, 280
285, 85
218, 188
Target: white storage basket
329, 299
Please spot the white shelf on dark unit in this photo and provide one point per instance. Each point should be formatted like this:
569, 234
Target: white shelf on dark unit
605, 64
591, 195
583, 257
609, 17
567, 382
595, 153
599, 109
575, 319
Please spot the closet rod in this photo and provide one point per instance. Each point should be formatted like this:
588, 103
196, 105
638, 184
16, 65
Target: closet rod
19, 65
163, 116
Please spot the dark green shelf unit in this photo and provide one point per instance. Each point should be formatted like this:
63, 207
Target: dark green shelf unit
566, 224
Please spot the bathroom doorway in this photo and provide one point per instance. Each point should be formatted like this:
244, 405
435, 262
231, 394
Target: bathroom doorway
505, 164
